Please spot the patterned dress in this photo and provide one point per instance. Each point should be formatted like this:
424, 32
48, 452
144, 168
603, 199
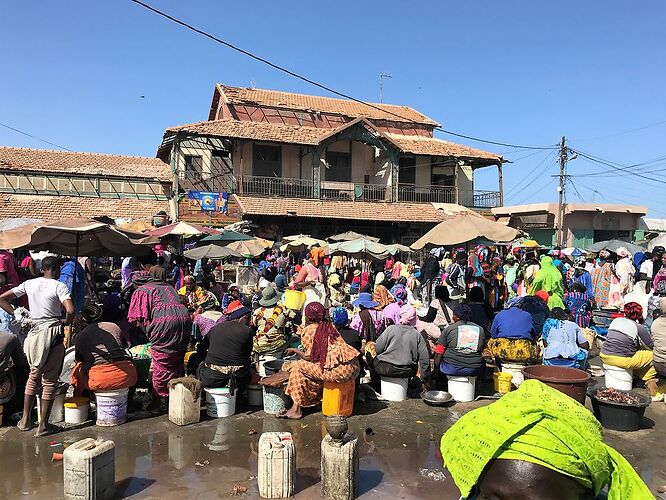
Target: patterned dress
306, 379
157, 308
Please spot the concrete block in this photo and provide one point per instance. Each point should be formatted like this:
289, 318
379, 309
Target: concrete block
339, 468
89, 470
277, 465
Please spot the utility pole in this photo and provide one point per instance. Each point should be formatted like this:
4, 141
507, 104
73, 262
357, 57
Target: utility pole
381, 85
561, 190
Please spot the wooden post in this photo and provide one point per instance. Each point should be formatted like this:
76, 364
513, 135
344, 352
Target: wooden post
500, 181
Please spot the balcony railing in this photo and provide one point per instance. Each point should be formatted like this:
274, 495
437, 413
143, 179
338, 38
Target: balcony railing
275, 186
349, 191
426, 194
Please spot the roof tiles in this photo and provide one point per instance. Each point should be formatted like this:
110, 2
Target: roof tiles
44, 160
346, 107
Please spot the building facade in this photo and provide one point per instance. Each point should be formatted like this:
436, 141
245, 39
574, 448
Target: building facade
50, 185
584, 223
294, 161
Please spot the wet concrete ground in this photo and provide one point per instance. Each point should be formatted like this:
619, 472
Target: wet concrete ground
398, 447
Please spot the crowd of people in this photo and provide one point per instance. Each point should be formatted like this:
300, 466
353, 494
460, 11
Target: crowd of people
455, 314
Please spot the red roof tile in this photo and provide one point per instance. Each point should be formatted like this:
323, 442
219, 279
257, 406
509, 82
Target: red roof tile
330, 209
345, 107
44, 160
46, 208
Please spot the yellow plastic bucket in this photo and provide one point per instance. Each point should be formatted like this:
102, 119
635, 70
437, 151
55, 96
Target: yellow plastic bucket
294, 299
503, 382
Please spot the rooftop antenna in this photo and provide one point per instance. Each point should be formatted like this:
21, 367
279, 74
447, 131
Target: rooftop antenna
381, 85
253, 84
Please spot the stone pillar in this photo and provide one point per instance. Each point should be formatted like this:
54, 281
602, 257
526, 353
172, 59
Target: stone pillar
339, 468
277, 465
89, 470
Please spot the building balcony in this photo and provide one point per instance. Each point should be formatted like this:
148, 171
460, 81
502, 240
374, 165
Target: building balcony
349, 191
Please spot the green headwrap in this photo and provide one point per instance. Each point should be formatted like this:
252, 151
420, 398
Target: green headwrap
543, 426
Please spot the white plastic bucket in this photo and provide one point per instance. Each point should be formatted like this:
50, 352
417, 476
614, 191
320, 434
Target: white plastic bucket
462, 388
394, 389
255, 396
76, 410
516, 371
618, 378
220, 402
57, 410
111, 407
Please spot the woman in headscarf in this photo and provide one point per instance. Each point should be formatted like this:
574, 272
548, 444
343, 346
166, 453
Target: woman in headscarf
625, 271
326, 358
460, 346
368, 321
659, 281
549, 279
206, 316
383, 297
510, 275
439, 316
564, 342
156, 308
581, 275
536, 442
605, 283
622, 347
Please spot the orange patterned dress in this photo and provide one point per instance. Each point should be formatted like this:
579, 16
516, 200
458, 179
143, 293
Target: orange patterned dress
306, 379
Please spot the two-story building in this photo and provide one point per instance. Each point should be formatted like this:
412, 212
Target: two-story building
50, 185
302, 163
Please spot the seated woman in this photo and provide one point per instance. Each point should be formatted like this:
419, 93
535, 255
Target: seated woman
536, 442
327, 358
564, 342
368, 322
401, 351
482, 312
622, 347
460, 346
438, 316
512, 336
103, 364
228, 350
206, 316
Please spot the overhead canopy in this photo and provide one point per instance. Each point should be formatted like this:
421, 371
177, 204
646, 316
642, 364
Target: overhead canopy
212, 251
14, 223
394, 248
300, 243
464, 227
247, 248
226, 237
138, 226
613, 245
85, 237
182, 229
359, 248
351, 235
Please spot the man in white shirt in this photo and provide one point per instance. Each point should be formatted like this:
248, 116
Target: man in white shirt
44, 346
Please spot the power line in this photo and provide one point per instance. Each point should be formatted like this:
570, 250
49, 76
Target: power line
545, 159
317, 84
621, 168
35, 137
625, 132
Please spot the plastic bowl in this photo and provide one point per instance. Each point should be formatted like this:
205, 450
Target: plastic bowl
619, 416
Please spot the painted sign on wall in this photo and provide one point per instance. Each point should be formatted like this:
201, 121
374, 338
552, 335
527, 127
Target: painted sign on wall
208, 201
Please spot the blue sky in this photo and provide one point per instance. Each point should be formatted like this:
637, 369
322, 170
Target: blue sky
521, 72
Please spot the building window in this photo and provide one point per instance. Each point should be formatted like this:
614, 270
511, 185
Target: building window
442, 176
407, 170
266, 160
221, 171
193, 167
339, 167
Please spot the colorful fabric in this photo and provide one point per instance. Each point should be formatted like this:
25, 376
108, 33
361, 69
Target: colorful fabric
157, 309
392, 313
602, 282
103, 377
580, 306
633, 310
641, 363
514, 350
373, 327
269, 323
340, 317
549, 279
540, 425
382, 297
196, 297
306, 378
166, 367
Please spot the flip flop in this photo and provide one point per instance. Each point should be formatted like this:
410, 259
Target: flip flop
45, 432
24, 429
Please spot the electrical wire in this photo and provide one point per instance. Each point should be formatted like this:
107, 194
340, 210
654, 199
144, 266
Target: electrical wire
317, 84
548, 157
622, 168
36, 138
623, 133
